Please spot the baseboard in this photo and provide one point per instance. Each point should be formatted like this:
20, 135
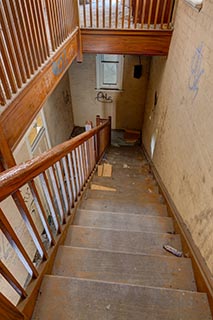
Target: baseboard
203, 276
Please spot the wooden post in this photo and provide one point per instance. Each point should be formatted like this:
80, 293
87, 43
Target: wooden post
98, 120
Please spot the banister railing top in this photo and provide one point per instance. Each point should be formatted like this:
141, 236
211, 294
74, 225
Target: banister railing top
15, 177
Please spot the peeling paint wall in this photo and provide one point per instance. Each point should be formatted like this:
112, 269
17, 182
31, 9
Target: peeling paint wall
183, 119
127, 106
58, 113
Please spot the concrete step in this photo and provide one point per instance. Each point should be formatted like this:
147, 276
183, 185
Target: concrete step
122, 241
124, 221
123, 205
138, 269
77, 299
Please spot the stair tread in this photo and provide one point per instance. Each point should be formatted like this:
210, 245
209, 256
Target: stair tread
124, 221
122, 205
147, 270
77, 299
141, 186
123, 241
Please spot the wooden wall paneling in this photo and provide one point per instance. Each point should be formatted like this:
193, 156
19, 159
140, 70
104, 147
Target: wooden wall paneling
30, 100
148, 42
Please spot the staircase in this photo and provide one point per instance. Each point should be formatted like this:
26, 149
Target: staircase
112, 264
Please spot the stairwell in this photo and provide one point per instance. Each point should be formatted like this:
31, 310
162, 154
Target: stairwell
112, 264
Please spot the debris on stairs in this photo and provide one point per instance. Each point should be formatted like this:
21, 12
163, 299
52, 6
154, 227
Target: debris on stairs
121, 258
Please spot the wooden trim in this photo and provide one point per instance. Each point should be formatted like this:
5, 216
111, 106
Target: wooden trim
27, 104
8, 311
146, 42
202, 273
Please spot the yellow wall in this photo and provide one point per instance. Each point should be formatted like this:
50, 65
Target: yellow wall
182, 121
128, 105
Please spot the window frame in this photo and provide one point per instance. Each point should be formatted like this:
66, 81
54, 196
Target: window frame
100, 85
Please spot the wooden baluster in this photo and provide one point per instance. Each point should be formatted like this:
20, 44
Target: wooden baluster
10, 48
63, 188
77, 181
171, 6
72, 178
33, 30
15, 41
110, 14
43, 27
68, 180
91, 14
41, 211
163, 13
8, 311
123, 13
57, 7
64, 19
17, 246
29, 33
2, 95
156, 13
86, 158
51, 24
38, 31
57, 193
84, 13
55, 23
85, 161
24, 32
49, 198
150, 13
136, 14
103, 12
143, 13
97, 13
5, 85
16, 21
116, 14
79, 167
12, 280
26, 216
129, 15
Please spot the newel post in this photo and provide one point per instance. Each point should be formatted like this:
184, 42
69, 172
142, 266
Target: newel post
98, 122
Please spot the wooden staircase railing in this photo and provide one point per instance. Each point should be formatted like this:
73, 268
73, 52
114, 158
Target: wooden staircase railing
127, 14
31, 32
54, 181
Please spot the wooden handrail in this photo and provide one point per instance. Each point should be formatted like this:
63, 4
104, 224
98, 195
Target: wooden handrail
12, 179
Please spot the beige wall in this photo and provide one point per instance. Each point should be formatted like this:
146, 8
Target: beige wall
182, 121
58, 113
127, 107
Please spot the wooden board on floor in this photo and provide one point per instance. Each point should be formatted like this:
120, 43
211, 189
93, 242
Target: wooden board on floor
107, 170
102, 188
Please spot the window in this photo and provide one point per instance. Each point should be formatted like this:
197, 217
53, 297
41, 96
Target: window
109, 71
